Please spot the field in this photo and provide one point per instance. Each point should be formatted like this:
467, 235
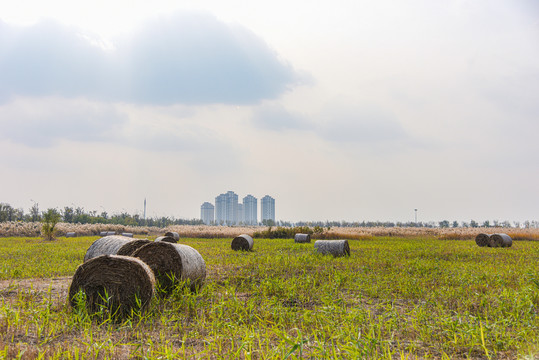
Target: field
393, 298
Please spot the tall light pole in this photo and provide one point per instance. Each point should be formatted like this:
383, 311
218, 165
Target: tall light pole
415, 210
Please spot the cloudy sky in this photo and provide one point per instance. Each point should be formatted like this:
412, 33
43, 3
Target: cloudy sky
340, 110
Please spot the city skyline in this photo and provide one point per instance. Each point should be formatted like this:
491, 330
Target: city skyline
229, 211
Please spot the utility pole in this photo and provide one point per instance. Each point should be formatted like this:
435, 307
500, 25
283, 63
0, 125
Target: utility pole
144, 209
415, 210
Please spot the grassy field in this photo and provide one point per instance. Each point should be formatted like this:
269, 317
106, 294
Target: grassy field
399, 298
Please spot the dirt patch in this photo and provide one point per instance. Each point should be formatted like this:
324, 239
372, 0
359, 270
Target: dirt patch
58, 287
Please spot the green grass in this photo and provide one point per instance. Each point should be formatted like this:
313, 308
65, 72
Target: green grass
393, 298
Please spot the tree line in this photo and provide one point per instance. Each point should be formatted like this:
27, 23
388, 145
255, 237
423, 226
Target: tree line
78, 215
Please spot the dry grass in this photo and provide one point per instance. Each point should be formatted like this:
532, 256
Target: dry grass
8, 229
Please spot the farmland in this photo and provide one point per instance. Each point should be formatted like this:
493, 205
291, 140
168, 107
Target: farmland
409, 296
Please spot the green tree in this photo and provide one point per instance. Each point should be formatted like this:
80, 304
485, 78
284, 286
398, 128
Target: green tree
49, 221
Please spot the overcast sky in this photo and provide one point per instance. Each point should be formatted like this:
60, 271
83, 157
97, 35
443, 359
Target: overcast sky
340, 110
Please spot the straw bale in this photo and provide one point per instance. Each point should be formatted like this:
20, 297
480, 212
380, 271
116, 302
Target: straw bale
173, 234
172, 263
334, 247
482, 239
242, 242
127, 234
302, 238
500, 240
108, 245
129, 248
165, 238
128, 284
71, 234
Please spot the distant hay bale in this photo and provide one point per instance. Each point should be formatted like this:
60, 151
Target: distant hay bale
103, 233
242, 242
482, 240
334, 247
127, 234
132, 246
173, 234
111, 233
500, 240
165, 238
119, 283
71, 234
108, 245
302, 238
172, 263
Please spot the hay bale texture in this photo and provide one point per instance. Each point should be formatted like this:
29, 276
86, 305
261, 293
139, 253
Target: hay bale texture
108, 245
169, 239
129, 248
500, 240
174, 235
243, 242
333, 247
118, 283
302, 238
172, 263
482, 240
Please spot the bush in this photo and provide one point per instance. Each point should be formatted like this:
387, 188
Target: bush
49, 221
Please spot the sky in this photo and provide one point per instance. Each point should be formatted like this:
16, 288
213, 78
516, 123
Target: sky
340, 110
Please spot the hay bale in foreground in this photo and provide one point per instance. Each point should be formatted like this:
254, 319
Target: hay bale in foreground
132, 246
168, 239
128, 284
500, 240
302, 238
71, 234
482, 240
242, 242
108, 245
334, 247
172, 263
126, 234
174, 235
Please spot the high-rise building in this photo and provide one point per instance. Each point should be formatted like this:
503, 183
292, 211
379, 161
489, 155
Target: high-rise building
220, 209
268, 208
240, 213
250, 210
226, 209
207, 213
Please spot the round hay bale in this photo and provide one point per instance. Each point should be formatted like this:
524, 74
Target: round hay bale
500, 240
111, 233
119, 283
334, 247
243, 242
173, 234
165, 238
126, 234
103, 233
482, 240
172, 263
132, 246
71, 234
108, 245
302, 238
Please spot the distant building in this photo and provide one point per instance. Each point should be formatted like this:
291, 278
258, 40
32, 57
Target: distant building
226, 209
207, 213
250, 210
240, 213
268, 208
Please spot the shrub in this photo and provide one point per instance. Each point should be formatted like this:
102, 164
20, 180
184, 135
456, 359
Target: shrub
49, 221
